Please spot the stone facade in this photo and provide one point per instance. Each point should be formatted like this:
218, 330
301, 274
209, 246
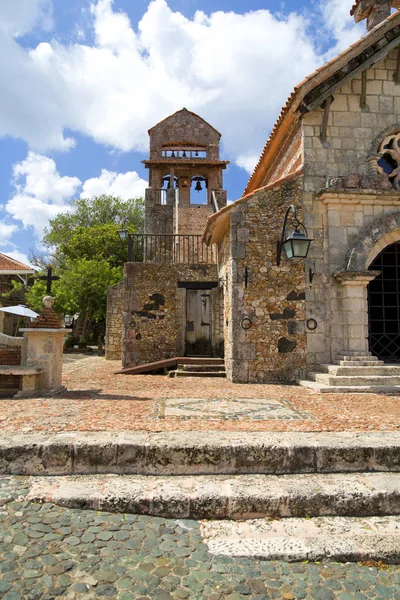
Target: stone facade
115, 305
344, 199
154, 316
282, 322
264, 304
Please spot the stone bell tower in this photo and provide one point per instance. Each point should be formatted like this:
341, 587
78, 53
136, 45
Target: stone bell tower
375, 11
185, 175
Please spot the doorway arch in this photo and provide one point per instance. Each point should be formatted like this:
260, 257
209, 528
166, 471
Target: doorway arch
384, 305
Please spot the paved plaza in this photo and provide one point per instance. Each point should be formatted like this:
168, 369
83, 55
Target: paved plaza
49, 551
98, 400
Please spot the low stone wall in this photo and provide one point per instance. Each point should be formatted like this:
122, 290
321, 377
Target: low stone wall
113, 341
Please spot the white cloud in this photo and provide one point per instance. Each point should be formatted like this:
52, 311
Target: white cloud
124, 185
41, 192
6, 232
235, 70
20, 16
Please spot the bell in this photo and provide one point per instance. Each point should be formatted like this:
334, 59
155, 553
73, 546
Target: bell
198, 187
173, 154
184, 154
197, 153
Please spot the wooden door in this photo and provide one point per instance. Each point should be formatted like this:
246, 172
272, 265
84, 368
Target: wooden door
198, 323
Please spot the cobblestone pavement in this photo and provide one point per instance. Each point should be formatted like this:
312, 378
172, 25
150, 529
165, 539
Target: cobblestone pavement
99, 400
48, 552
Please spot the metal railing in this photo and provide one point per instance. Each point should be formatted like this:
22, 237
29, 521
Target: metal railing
169, 249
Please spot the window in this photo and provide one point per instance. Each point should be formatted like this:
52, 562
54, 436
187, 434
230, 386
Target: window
388, 160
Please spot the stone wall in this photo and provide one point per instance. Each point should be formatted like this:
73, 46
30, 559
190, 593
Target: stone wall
113, 342
344, 196
264, 314
154, 319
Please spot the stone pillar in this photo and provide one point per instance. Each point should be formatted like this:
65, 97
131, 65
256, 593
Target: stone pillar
44, 348
44, 343
355, 309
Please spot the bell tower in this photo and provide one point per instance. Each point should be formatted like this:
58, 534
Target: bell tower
185, 175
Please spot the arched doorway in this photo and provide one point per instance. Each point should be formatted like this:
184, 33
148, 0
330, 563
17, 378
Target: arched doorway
384, 305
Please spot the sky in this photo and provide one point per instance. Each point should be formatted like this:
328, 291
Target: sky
83, 81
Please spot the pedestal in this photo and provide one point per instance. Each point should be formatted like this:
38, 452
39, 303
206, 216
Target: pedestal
44, 348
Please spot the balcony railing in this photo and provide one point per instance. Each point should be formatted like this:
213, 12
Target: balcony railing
170, 249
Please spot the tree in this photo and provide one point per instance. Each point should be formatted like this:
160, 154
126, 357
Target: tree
87, 214
88, 255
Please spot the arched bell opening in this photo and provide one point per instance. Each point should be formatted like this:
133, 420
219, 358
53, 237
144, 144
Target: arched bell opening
199, 190
384, 305
166, 182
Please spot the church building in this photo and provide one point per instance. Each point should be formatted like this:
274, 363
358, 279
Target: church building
233, 281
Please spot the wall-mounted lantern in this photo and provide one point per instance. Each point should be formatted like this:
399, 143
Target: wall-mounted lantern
296, 242
124, 236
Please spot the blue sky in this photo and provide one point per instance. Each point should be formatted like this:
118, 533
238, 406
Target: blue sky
83, 80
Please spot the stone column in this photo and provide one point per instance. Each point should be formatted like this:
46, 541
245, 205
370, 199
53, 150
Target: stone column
44, 348
355, 309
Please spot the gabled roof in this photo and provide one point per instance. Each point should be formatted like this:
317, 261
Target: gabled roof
9, 265
319, 85
185, 110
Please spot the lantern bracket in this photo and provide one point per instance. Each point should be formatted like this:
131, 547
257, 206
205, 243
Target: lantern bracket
296, 224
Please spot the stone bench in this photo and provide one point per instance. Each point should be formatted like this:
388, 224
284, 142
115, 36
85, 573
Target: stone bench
30, 378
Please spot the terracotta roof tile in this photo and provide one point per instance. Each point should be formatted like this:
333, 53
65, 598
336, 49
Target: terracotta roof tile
48, 319
10, 264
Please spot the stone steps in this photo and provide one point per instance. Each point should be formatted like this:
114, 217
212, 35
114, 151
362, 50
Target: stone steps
217, 369
377, 381
186, 453
355, 373
347, 539
345, 370
226, 497
354, 389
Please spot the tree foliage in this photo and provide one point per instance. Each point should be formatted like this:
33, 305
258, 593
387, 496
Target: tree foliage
88, 255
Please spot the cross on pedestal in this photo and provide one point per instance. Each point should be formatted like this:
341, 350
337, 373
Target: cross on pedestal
49, 278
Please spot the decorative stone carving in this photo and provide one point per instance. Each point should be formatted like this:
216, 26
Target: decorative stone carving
388, 159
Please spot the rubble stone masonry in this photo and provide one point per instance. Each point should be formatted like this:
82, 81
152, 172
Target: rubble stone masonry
154, 319
264, 315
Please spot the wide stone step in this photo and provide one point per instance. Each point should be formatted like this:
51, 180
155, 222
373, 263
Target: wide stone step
344, 539
226, 497
182, 453
357, 357
349, 381
322, 388
201, 368
359, 363
193, 373
360, 370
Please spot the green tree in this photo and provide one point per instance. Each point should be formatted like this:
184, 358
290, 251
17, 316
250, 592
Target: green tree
90, 213
88, 255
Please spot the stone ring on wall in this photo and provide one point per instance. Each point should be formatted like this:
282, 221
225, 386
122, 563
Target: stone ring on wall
246, 323
312, 324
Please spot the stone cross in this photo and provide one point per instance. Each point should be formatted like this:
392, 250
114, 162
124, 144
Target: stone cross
375, 11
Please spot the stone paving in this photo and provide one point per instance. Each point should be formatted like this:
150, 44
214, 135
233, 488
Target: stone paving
99, 400
48, 552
